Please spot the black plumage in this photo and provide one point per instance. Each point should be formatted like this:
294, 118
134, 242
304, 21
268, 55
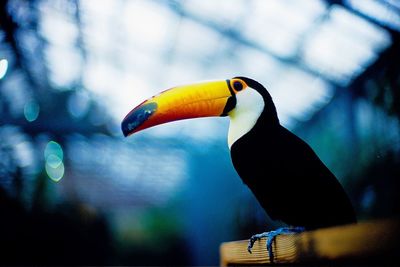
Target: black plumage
288, 179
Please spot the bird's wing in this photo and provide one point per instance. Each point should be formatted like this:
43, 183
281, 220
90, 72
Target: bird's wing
290, 181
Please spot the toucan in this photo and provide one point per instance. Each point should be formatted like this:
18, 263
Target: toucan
286, 176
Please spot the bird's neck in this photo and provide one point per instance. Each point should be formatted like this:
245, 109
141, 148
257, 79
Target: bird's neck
244, 118
258, 120
254, 111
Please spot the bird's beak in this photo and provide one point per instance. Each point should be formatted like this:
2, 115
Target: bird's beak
206, 99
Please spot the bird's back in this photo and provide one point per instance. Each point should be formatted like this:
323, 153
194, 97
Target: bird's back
289, 180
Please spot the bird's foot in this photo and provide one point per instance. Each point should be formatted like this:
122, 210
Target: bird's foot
271, 237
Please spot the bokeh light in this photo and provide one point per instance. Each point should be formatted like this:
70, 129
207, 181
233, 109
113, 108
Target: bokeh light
31, 110
3, 67
57, 173
53, 148
54, 165
53, 161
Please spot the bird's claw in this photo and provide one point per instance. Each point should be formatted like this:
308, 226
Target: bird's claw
254, 238
270, 236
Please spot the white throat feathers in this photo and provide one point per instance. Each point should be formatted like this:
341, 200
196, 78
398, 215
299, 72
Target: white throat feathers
249, 106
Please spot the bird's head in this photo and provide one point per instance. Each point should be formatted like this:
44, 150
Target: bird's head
242, 99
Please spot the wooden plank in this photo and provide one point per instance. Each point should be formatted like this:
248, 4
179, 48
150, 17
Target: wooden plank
362, 243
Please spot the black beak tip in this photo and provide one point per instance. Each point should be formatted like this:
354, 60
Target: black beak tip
137, 117
125, 133
124, 128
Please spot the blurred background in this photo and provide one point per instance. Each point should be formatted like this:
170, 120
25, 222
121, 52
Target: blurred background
74, 191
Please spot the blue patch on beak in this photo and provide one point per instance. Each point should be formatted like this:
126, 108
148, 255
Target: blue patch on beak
137, 117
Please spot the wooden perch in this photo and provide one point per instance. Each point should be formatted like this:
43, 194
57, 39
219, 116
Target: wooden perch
363, 243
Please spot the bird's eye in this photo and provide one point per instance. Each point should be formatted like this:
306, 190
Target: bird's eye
238, 86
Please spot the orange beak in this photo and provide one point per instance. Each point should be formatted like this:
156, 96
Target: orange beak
206, 99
